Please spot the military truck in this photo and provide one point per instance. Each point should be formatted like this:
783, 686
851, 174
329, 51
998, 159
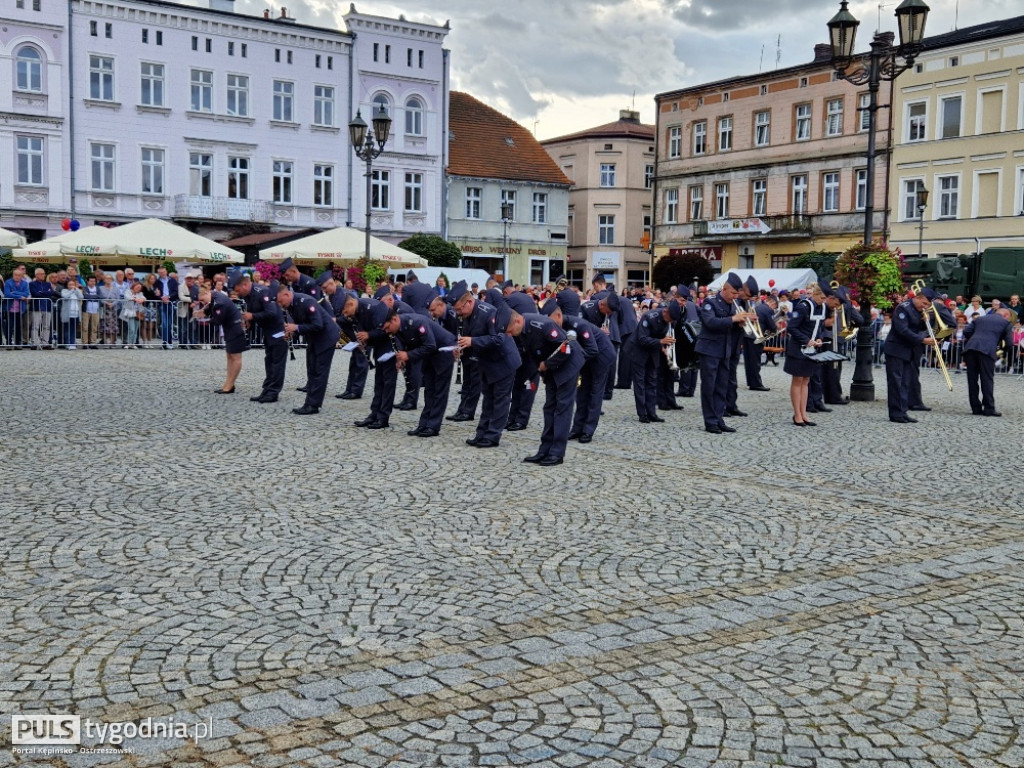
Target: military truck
997, 273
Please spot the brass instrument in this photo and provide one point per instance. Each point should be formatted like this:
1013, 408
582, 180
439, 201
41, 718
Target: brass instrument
670, 352
562, 284
751, 328
916, 289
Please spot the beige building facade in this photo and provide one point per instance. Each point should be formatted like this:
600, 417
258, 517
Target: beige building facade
612, 171
755, 170
959, 133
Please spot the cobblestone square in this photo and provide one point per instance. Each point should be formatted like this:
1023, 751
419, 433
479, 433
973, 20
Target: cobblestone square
324, 595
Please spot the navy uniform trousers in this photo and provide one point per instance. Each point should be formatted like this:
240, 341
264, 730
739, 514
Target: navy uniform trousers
595, 374
752, 362
524, 392
358, 368
385, 378
275, 358
437, 379
497, 397
470, 386
413, 382
714, 386
981, 370
646, 367
558, 403
899, 375
318, 369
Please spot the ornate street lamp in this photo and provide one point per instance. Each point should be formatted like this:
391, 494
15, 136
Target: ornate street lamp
922, 204
506, 219
885, 62
368, 144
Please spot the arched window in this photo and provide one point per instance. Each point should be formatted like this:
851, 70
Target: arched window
381, 101
414, 117
30, 69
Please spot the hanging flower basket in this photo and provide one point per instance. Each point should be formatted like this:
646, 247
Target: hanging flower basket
873, 273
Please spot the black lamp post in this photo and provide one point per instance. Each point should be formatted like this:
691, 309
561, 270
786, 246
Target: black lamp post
885, 62
922, 204
506, 218
368, 144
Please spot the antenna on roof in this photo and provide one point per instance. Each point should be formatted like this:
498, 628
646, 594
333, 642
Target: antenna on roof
956, 15
632, 106
778, 51
760, 64
535, 128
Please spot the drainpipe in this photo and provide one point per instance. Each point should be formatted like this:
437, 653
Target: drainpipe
69, 64
444, 143
348, 150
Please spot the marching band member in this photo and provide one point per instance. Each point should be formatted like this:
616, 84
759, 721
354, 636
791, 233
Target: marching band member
718, 317
321, 333
805, 327
598, 360
983, 337
261, 308
832, 375
222, 311
652, 338
908, 333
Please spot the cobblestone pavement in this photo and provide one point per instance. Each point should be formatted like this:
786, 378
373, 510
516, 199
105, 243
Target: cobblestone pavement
843, 596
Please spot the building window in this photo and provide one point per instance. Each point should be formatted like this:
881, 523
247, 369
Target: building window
917, 121
834, 117
195, 43
473, 195
29, 70
414, 192
414, 116
238, 95
724, 134
700, 138
316, 61
671, 206
648, 176
289, 56
231, 48
758, 197
798, 185
245, 50
862, 189
108, 30
376, 51
696, 203
323, 105
92, 29
159, 37
282, 182
721, 201
284, 95
152, 85
508, 197
607, 174
540, 207
101, 78
951, 116
763, 128
30, 160
152, 171
911, 190
380, 190
675, 141
201, 91
864, 122
102, 156
323, 185
421, 59
408, 57
387, 54
606, 229
200, 174
830, 192
209, 45
949, 196
238, 178
277, 53
803, 122
380, 101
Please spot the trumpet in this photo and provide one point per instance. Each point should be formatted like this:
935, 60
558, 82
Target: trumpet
670, 351
751, 328
916, 289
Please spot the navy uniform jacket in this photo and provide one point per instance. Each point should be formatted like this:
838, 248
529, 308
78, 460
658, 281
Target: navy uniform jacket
307, 285
626, 317
800, 327
539, 342
521, 303
415, 335
266, 312
315, 323
401, 308
907, 332
496, 299
652, 329
482, 325
416, 295
691, 313
716, 336
224, 312
984, 333
568, 301
590, 312
587, 336
449, 321
766, 317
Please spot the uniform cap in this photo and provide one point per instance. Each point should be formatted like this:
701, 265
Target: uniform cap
549, 307
324, 277
379, 314
734, 280
410, 276
235, 278
675, 311
287, 264
752, 285
842, 293
683, 290
507, 284
930, 293
613, 301
458, 290
825, 287
381, 292
431, 296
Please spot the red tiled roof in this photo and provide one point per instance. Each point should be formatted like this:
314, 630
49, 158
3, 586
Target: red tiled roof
487, 145
620, 129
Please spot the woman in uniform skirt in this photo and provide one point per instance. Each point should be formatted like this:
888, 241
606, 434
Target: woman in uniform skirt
804, 329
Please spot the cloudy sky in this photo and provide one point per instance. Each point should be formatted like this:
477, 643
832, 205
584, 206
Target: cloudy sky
559, 66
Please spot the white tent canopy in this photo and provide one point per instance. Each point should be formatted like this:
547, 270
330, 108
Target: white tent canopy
342, 246
10, 239
150, 241
784, 279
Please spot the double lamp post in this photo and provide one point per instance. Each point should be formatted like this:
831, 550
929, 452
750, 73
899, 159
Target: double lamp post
884, 62
368, 143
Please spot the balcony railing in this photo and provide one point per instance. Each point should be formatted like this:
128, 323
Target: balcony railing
781, 224
221, 208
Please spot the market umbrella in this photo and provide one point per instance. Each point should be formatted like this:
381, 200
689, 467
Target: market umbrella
343, 246
52, 250
10, 239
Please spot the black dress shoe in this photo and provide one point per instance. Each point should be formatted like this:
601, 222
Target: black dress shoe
550, 461
301, 389
427, 432
472, 441
811, 409
910, 420
735, 412
656, 419
575, 435
844, 401
586, 438
820, 408
978, 413
798, 423
993, 413
645, 419
377, 425
305, 410
760, 389
919, 408
364, 422
267, 399
225, 391
537, 458
514, 426
460, 417
485, 443
414, 432
255, 398
810, 423
347, 396
713, 430
403, 406
726, 428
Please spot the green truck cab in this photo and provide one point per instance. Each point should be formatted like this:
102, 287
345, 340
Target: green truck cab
995, 273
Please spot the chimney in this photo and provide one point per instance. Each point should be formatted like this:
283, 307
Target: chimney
285, 17
822, 52
222, 5
629, 116
266, 13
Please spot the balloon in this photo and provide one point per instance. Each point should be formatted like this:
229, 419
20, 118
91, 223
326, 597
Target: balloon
771, 283
75, 225
66, 224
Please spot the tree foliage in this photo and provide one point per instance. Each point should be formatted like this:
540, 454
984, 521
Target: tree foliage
822, 262
436, 250
685, 268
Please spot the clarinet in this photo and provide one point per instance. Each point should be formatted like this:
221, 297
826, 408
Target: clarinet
403, 368
458, 364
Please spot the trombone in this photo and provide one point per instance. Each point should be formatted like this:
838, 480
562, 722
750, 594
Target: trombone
917, 289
